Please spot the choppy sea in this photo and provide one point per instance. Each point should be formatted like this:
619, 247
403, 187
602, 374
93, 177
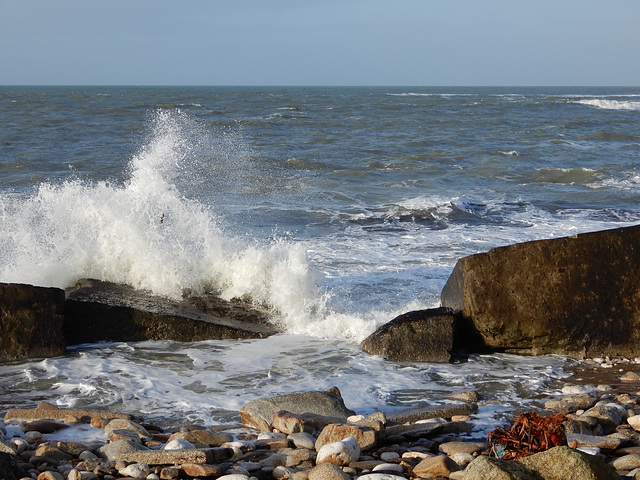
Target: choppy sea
337, 208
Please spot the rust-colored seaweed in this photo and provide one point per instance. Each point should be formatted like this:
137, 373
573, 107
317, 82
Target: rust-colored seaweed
530, 433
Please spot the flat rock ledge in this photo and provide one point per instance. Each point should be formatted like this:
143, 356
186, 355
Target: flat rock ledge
424, 442
39, 322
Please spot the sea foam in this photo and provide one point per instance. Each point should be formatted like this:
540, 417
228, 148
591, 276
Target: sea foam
145, 233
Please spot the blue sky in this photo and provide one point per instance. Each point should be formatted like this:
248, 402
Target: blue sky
329, 42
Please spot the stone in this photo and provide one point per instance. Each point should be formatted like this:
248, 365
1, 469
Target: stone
380, 476
8, 468
176, 457
115, 450
50, 475
201, 470
389, 468
462, 447
234, 477
603, 443
321, 407
561, 463
169, 473
418, 336
471, 396
98, 311
388, 456
366, 437
303, 440
574, 296
43, 426
203, 437
287, 422
57, 414
340, 453
327, 471
571, 403
124, 424
462, 459
437, 466
414, 431
608, 414
432, 411
626, 462
179, 444
31, 322
52, 453
7, 447
634, 421
485, 468
135, 470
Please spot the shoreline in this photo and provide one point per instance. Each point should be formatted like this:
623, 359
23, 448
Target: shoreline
401, 448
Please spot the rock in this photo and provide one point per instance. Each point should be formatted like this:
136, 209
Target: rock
44, 426
626, 462
115, 450
135, 470
57, 414
462, 459
8, 468
380, 476
31, 322
604, 443
303, 440
287, 422
437, 466
366, 437
389, 468
470, 397
52, 453
97, 311
634, 421
322, 407
50, 475
327, 471
561, 463
451, 448
432, 411
7, 447
201, 470
419, 336
485, 468
179, 444
203, 437
571, 403
388, 456
570, 296
124, 424
608, 414
339, 453
173, 457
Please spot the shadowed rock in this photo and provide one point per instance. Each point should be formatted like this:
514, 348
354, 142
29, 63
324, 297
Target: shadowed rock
98, 311
30, 322
419, 336
577, 296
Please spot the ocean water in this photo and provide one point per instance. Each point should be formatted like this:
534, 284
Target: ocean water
336, 208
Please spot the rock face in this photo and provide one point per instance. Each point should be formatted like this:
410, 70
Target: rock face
577, 296
319, 407
419, 336
30, 321
97, 311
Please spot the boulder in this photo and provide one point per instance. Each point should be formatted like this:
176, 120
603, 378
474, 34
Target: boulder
577, 296
418, 336
31, 321
366, 437
97, 311
560, 463
320, 407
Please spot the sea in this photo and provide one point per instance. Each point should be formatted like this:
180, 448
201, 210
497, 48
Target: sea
335, 208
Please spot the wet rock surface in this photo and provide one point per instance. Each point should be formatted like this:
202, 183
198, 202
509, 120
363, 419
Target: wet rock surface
383, 446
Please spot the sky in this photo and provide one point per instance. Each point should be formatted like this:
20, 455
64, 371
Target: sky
322, 42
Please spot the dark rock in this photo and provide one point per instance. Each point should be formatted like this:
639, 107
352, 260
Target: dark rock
30, 321
97, 311
320, 407
9, 470
575, 296
419, 336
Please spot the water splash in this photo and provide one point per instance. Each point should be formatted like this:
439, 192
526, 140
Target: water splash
144, 232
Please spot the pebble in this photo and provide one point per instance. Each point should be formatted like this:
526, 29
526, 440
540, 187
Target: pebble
429, 448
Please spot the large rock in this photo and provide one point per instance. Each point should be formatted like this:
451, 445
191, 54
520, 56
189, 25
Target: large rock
578, 296
30, 322
419, 336
319, 407
97, 311
558, 463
